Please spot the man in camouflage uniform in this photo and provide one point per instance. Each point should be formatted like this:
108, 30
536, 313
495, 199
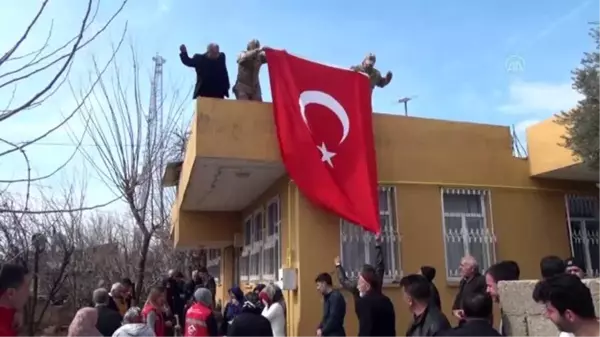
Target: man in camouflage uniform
247, 86
368, 67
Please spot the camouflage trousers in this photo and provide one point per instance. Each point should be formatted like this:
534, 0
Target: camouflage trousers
247, 93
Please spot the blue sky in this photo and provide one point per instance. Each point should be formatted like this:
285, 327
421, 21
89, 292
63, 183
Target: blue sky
458, 57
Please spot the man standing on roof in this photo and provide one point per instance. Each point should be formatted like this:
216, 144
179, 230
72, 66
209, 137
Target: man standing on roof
368, 67
212, 78
247, 86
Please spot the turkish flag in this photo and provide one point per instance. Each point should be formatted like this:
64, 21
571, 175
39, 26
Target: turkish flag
323, 116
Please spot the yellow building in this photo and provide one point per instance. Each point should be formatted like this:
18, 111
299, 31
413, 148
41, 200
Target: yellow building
446, 189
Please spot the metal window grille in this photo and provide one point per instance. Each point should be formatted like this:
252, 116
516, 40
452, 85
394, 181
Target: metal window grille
358, 245
261, 255
582, 221
213, 263
466, 230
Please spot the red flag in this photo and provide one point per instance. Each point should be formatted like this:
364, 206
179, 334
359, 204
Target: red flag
323, 117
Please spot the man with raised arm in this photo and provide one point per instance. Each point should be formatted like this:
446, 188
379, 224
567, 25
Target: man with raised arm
367, 67
212, 78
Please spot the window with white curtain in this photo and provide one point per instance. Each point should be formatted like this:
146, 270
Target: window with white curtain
466, 230
358, 245
213, 263
582, 220
261, 255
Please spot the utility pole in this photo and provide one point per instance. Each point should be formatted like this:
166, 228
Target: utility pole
405, 100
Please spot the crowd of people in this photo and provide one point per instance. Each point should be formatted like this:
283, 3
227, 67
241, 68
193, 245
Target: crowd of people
212, 76
262, 312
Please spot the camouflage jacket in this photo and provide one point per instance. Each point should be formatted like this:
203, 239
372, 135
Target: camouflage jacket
374, 76
249, 63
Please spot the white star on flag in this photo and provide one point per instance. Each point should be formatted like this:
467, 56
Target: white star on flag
326, 155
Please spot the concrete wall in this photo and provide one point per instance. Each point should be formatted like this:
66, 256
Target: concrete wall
524, 315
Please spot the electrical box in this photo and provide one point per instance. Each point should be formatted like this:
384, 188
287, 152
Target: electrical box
288, 279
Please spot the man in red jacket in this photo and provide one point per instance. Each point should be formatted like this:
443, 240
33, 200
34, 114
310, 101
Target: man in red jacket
14, 292
199, 319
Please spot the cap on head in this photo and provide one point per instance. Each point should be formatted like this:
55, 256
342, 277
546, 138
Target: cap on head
253, 44
204, 296
370, 58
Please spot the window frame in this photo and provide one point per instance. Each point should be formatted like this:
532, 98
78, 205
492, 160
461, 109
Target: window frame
258, 247
485, 202
246, 249
390, 238
583, 221
273, 240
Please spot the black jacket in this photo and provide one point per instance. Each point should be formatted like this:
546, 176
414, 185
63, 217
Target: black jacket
350, 285
109, 320
334, 311
212, 78
112, 305
472, 327
176, 298
474, 285
429, 323
250, 324
209, 284
376, 316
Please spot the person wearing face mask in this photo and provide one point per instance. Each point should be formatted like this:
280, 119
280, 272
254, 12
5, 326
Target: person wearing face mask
351, 285
428, 320
368, 68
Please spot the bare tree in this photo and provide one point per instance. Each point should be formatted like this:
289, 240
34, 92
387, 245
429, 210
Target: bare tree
18, 68
131, 147
44, 243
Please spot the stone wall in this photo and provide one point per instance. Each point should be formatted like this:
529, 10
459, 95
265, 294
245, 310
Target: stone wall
525, 317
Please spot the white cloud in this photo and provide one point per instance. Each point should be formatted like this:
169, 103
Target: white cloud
539, 98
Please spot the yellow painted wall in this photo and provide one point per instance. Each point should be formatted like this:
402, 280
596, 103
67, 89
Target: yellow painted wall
416, 155
544, 147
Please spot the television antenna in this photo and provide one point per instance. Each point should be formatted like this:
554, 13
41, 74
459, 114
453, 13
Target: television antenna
405, 101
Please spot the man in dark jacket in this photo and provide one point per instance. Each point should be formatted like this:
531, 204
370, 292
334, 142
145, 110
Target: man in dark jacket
109, 320
250, 322
472, 283
376, 316
429, 273
212, 78
477, 318
334, 308
176, 295
428, 320
351, 285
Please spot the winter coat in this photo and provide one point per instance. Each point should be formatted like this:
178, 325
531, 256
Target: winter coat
472, 327
376, 316
276, 315
334, 311
250, 324
134, 330
429, 323
109, 320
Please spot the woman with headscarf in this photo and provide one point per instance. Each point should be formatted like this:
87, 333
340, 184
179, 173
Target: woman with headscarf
199, 319
133, 325
250, 321
232, 308
153, 311
84, 323
273, 310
